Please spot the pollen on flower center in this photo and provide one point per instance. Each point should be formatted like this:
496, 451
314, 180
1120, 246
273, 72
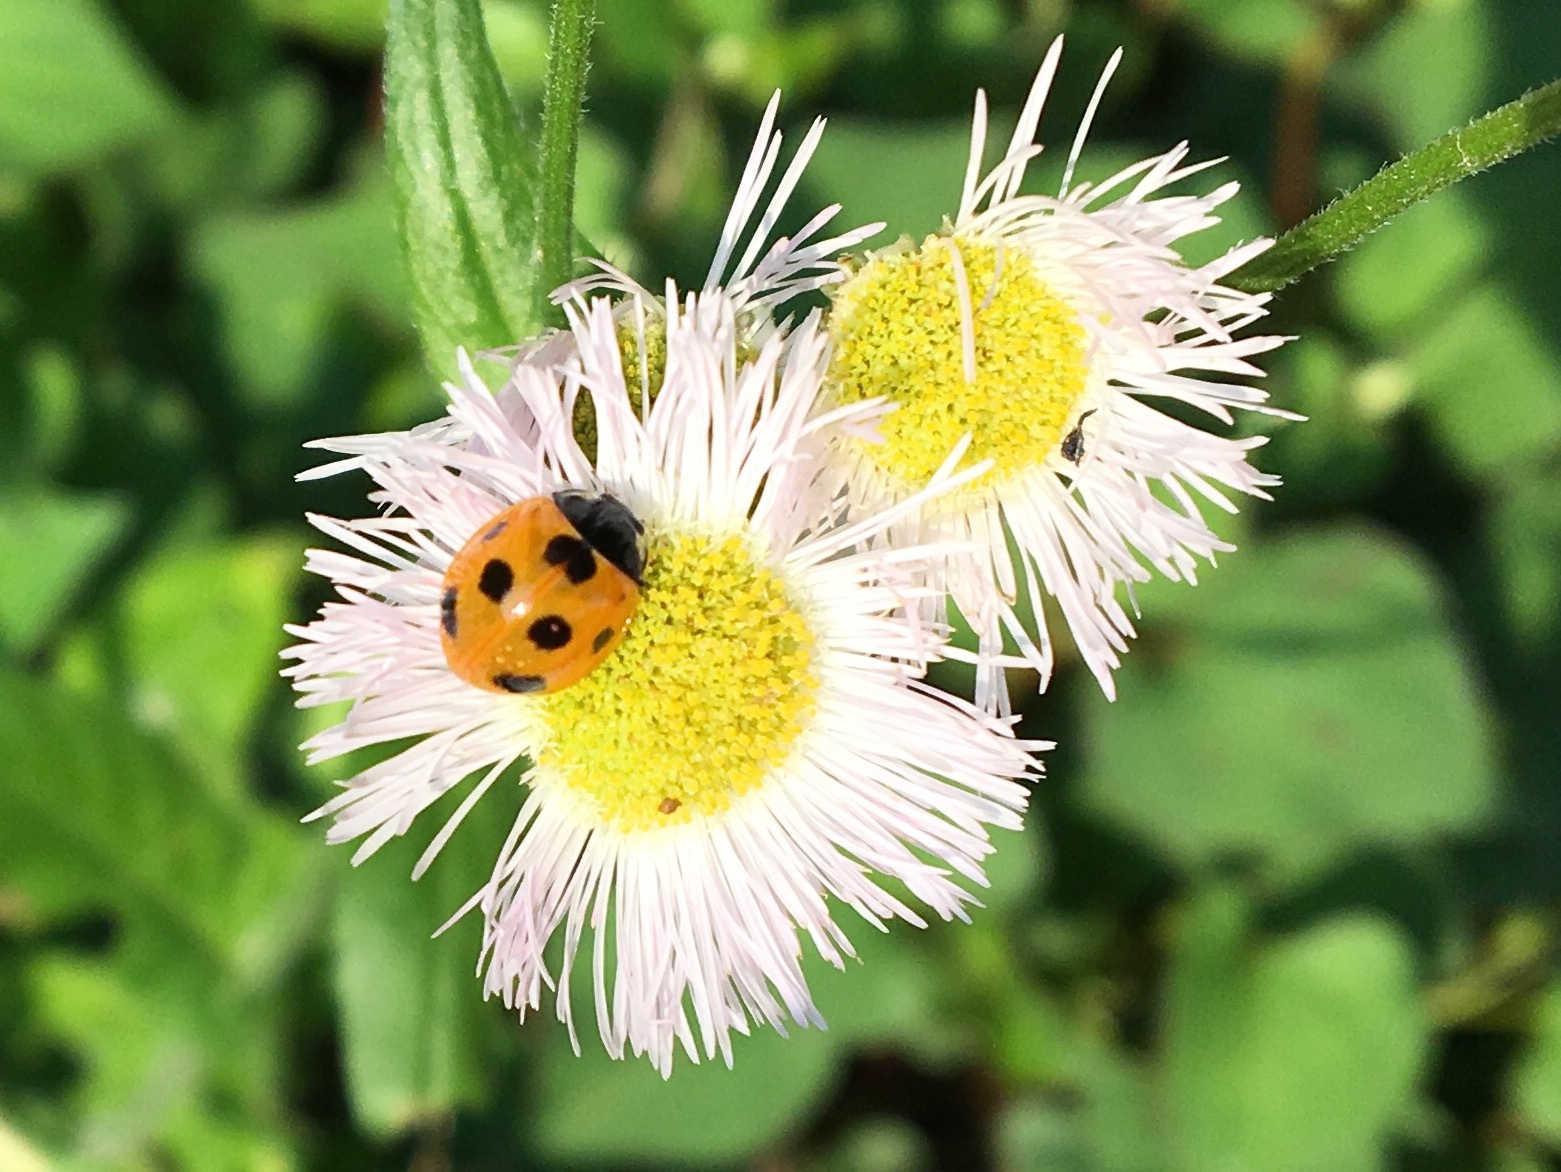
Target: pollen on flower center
898, 332
705, 696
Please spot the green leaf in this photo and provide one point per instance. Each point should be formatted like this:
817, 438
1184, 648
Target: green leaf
259, 146
211, 901
142, 1063
280, 276
56, 396
895, 992
878, 1143
601, 194
517, 34
1104, 1121
411, 1005
740, 18
904, 992
201, 629
139, 1065
463, 180
70, 86
639, 44
1296, 1055
1305, 700
57, 537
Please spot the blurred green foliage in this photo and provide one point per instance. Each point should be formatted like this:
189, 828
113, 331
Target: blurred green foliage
1290, 904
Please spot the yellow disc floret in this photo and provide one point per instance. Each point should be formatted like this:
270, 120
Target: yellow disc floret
899, 326
704, 698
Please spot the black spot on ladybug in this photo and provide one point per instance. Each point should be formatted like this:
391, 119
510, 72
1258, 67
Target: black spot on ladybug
496, 579
1073, 443
669, 805
520, 683
495, 531
447, 612
550, 632
574, 555
603, 637
561, 548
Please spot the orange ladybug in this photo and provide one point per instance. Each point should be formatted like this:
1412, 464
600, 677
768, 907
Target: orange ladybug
542, 593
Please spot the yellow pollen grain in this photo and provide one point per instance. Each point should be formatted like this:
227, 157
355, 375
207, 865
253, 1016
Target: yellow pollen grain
897, 333
703, 699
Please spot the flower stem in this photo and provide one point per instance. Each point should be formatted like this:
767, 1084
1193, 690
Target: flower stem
569, 48
1339, 227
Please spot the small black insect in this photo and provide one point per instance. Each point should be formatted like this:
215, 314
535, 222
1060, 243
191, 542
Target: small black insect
1073, 442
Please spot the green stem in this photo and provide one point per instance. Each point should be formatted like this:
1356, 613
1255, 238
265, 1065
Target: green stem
569, 48
1339, 227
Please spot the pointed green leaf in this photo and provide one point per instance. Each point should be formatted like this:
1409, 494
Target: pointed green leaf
464, 182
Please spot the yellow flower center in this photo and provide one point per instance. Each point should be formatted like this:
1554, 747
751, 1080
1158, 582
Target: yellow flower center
898, 327
704, 698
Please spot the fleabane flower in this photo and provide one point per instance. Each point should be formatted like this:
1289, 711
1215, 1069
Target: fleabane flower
1051, 330
756, 757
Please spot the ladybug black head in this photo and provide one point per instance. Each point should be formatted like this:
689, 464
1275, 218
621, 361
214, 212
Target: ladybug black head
606, 523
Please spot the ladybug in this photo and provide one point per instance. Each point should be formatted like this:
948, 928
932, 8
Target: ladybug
542, 593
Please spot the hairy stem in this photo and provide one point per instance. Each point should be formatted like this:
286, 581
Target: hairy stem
569, 48
1339, 227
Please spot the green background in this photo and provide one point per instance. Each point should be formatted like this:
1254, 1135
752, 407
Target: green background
1290, 904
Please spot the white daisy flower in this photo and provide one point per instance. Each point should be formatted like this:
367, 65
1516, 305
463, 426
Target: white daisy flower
1046, 328
756, 756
